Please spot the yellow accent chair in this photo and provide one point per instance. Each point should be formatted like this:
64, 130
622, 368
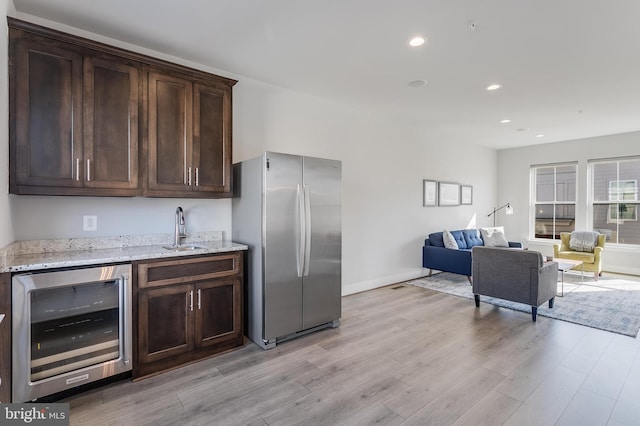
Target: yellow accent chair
591, 260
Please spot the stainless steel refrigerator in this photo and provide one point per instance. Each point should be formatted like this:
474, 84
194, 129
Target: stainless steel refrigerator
287, 209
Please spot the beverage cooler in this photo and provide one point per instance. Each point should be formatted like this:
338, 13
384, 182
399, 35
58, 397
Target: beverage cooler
69, 328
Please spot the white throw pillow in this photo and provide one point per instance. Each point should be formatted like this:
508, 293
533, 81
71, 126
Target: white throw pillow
494, 237
449, 241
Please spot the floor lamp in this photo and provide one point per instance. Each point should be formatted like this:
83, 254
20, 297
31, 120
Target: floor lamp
509, 210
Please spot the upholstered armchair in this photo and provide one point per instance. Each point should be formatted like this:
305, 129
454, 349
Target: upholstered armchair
517, 275
591, 260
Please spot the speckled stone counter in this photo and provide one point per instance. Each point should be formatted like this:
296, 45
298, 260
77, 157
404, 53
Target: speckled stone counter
47, 254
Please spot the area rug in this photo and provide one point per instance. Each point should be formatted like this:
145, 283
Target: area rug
611, 304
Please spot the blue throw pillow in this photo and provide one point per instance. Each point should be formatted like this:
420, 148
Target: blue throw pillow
459, 237
472, 238
436, 239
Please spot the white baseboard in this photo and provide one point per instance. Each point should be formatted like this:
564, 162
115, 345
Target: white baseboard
622, 270
418, 273
381, 282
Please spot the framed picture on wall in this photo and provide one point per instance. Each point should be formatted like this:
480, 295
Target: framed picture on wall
466, 194
448, 194
429, 193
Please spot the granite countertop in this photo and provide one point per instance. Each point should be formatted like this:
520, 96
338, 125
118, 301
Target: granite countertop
35, 255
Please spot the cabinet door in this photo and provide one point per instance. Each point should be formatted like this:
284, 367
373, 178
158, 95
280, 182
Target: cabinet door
165, 322
282, 288
111, 99
47, 150
322, 285
218, 311
212, 139
170, 115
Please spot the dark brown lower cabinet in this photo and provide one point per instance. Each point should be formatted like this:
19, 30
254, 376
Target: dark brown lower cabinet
165, 323
187, 309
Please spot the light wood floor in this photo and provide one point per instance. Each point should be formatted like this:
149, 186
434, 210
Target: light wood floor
405, 356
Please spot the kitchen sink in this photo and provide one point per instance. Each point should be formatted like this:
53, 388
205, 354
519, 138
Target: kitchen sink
183, 247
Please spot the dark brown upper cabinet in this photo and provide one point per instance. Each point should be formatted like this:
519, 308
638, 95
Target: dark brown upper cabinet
189, 136
75, 118
91, 119
110, 121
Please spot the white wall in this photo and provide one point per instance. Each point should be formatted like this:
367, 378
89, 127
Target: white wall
6, 229
384, 223
37, 218
514, 183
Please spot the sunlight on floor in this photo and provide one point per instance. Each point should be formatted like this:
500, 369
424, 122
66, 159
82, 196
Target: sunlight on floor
609, 282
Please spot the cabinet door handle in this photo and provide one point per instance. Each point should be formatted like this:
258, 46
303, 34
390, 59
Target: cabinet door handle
197, 177
191, 300
88, 170
189, 173
199, 299
77, 168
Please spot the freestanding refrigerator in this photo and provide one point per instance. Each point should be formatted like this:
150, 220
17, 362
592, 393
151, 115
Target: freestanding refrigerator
287, 210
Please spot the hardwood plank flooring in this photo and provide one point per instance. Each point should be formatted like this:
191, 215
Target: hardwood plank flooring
404, 356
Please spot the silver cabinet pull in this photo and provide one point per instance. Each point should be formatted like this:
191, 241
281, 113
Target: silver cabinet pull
199, 299
88, 170
77, 168
197, 177
191, 300
189, 174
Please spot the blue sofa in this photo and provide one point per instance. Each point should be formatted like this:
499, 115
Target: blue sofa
436, 256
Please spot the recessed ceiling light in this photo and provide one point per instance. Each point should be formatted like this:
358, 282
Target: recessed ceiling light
417, 83
494, 87
540, 136
505, 121
417, 41
522, 129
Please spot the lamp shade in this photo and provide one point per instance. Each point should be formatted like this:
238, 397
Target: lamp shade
508, 210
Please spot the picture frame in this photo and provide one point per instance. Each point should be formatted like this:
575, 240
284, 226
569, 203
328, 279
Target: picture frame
466, 194
448, 194
429, 193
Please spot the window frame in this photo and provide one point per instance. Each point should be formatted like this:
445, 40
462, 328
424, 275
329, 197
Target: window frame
616, 198
555, 203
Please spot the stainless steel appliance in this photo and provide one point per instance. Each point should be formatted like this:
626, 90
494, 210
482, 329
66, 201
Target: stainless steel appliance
287, 209
70, 327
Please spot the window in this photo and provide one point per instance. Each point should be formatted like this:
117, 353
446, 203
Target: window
614, 199
554, 199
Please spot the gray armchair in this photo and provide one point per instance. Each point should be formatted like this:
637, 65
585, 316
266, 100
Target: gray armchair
516, 275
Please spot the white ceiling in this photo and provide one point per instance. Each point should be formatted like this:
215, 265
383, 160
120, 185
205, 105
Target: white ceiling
569, 69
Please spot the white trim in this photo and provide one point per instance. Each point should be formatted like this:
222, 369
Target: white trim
381, 282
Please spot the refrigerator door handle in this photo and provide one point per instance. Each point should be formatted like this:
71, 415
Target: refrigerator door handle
307, 230
300, 230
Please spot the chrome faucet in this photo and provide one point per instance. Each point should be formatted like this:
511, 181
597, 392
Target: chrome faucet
181, 229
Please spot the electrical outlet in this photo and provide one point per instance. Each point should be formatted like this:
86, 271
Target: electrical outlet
90, 223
